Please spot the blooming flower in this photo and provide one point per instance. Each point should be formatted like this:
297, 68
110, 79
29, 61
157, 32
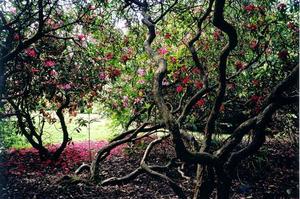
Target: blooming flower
198, 85
179, 89
200, 102
49, 63
255, 98
141, 81
239, 65
250, 8
253, 44
186, 80
34, 70
53, 72
196, 70
109, 56
162, 51
124, 58
167, 36
165, 82
173, 59
30, 52
125, 101
252, 27
102, 76
141, 72
81, 37
217, 34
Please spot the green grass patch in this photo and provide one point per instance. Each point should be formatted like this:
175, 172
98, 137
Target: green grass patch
97, 129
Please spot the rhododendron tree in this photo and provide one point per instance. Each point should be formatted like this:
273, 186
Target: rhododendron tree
211, 67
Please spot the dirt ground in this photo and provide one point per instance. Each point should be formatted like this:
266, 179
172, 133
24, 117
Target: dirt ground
271, 174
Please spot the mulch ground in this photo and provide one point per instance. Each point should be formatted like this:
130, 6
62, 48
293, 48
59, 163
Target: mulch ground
271, 174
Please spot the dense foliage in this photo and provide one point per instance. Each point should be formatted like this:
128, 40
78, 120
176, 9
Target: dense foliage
212, 67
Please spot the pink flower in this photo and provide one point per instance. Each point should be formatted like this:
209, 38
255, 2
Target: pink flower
141, 72
34, 70
162, 51
179, 89
253, 44
81, 37
102, 76
141, 81
137, 100
186, 80
92, 7
64, 86
49, 63
165, 82
13, 10
30, 52
53, 72
250, 8
125, 101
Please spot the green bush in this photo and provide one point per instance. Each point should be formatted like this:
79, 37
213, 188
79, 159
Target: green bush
8, 135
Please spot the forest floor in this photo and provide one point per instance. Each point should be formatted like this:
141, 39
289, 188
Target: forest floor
273, 173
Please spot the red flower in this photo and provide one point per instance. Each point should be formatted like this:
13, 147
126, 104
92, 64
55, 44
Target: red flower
179, 89
116, 72
217, 34
200, 102
167, 36
291, 25
252, 27
109, 56
283, 55
198, 85
124, 58
53, 73
34, 70
30, 52
254, 44
239, 65
196, 70
250, 8
183, 68
186, 80
173, 59
255, 98
49, 63
81, 37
